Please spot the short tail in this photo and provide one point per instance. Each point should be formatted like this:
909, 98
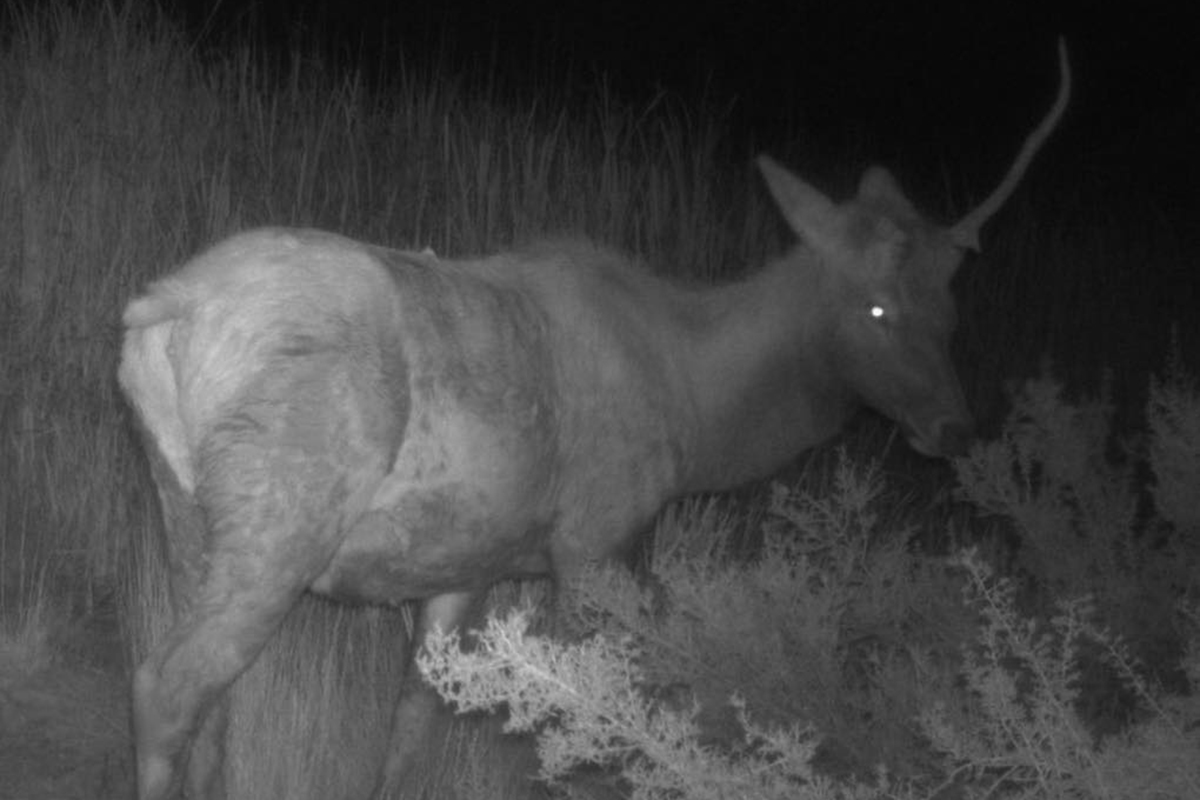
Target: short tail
166, 300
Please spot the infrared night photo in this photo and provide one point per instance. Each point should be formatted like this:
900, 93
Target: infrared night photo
550, 400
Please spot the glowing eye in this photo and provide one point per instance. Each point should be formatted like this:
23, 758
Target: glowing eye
877, 312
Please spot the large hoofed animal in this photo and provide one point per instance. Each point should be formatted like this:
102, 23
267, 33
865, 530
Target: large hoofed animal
324, 415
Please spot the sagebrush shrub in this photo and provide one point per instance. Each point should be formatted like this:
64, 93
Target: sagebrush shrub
1077, 497
833, 660
1021, 735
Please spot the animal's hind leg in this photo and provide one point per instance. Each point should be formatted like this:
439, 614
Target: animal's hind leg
206, 762
184, 521
186, 537
418, 702
241, 603
276, 493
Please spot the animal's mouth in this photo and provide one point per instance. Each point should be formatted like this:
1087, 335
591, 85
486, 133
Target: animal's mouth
946, 438
922, 445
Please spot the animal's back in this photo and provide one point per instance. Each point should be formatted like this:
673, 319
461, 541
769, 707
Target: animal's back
509, 400
197, 339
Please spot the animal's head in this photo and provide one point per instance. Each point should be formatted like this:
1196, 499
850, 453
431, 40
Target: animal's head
885, 274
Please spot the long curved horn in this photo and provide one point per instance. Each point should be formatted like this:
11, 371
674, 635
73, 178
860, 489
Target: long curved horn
965, 232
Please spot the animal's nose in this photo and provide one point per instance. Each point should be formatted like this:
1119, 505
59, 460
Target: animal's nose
954, 436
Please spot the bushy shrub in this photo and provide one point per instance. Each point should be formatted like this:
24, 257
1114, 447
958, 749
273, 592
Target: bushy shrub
836, 661
1173, 413
587, 702
1021, 736
1091, 523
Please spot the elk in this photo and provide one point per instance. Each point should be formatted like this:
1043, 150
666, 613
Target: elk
328, 416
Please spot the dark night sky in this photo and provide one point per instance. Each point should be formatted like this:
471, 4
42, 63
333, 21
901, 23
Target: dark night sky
936, 84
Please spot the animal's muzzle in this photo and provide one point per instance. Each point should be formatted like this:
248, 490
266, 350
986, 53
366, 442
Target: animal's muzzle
954, 437
945, 438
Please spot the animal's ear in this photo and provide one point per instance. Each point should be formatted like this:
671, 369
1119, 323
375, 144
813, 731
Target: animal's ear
811, 215
878, 187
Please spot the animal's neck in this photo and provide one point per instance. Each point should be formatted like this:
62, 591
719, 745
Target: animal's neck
762, 375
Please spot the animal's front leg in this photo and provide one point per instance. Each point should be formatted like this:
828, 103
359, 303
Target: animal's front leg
418, 702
